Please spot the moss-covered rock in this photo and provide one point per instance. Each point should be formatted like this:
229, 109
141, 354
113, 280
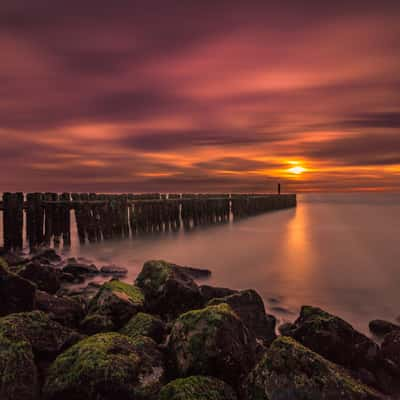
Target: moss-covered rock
143, 324
116, 301
46, 337
334, 338
290, 371
168, 290
249, 306
106, 366
212, 341
197, 388
97, 323
46, 277
18, 372
17, 294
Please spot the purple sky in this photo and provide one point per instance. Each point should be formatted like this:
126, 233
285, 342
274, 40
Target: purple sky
199, 96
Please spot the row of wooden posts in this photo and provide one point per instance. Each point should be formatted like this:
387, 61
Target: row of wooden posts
105, 216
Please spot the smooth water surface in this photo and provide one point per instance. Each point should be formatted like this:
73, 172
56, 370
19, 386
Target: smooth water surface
339, 252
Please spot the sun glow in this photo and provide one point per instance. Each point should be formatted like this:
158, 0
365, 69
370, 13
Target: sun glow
297, 170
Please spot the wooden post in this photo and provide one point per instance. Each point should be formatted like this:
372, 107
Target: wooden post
13, 219
34, 220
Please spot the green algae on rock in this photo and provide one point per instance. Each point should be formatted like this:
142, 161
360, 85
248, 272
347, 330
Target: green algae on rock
288, 370
197, 388
116, 301
168, 290
143, 324
212, 341
106, 366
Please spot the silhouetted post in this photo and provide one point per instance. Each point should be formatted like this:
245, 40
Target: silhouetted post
279, 188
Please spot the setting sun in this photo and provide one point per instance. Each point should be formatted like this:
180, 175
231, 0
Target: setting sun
296, 170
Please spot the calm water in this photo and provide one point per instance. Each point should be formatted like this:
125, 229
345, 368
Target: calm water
339, 252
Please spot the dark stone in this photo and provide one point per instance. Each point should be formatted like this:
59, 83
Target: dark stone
46, 255
212, 292
145, 325
291, 371
212, 341
285, 328
195, 273
16, 294
250, 308
380, 327
113, 270
107, 366
79, 268
65, 310
334, 338
168, 291
45, 277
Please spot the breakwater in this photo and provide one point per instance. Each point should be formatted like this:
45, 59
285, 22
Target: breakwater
108, 216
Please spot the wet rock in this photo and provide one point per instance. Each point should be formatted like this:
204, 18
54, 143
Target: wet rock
97, 323
16, 294
70, 278
334, 338
168, 290
145, 325
285, 328
118, 301
197, 388
106, 366
48, 256
380, 327
195, 273
390, 348
46, 337
18, 372
249, 306
113, 270
291, 371
212, 341
77, 267
13, 259
46, 277
65, 310
212, 292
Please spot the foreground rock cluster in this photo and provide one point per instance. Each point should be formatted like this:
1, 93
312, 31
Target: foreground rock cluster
165, 337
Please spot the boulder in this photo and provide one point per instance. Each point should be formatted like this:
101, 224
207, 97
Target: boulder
285, 328
67, 311
46, 277
145, 325
113, 270
48, 256
16, 294
249, 306
18, 372
212, 341
380, 327
97, 323
197, 388
290, 371
334, 338
195, 273
117, 301
211, 292
46, 337
168, 290
106, 366
77, 267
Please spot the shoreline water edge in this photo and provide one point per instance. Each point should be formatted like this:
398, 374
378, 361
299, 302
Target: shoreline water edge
167, 336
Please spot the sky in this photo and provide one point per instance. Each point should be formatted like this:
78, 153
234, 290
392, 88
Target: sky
199, 96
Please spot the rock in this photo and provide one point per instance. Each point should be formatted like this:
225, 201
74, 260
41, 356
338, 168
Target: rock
118, 301
46, 337
334, 338
145, 325
97, 323
45, 277
13, 259
65, 310
197, 388
291, 371
195, 273
211, 292
113, 270
212, 341
16, 294
390, 348
168, 290
76, 267
380, 327
106, 366
285, 328
49, 256
249, 306
18, 372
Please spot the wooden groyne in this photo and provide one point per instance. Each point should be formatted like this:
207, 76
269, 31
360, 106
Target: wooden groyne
107, 216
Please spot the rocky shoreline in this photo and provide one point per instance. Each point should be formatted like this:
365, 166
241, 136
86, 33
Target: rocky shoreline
166, 337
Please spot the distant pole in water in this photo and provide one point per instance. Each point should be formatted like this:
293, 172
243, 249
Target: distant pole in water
279, 188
